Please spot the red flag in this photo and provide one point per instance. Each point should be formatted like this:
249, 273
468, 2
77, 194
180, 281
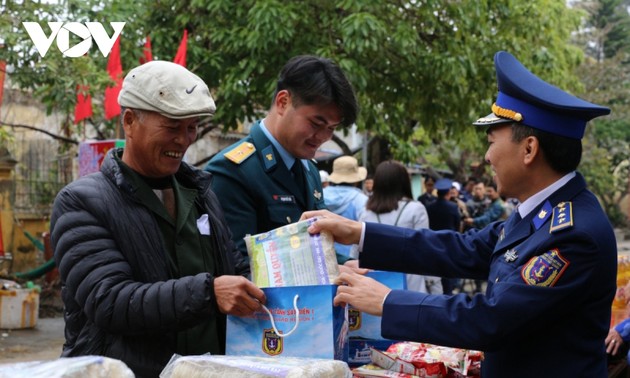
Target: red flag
180, 57
114, 68
3, 68
83, 108
147, 55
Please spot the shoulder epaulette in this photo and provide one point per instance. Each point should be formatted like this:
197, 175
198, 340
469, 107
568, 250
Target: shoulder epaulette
562, 217
240, 153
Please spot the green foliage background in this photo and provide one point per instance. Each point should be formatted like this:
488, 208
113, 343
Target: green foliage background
423, 70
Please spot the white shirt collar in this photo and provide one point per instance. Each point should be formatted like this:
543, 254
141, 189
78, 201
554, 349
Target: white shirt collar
532, 202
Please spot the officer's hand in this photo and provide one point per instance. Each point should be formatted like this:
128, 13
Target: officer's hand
344, 230
236, 295
352, 266
613, 342
363, 293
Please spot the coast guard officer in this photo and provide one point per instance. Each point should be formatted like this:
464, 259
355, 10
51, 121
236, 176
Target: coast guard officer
550, 267
267, 180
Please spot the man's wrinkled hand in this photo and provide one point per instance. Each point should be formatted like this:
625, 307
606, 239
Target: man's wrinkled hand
236, 295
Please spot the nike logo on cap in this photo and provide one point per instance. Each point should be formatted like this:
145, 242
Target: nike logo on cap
189, 91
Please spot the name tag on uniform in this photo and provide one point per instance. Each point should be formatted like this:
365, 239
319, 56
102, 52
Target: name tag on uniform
283, 198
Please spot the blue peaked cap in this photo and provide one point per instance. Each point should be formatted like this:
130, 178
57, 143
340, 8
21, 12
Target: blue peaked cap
524, 98
443, 184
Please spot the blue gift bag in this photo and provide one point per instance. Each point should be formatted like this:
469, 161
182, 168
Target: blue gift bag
366, 325
316, 329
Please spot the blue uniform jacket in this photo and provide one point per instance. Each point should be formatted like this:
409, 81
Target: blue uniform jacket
259, 193
551, 282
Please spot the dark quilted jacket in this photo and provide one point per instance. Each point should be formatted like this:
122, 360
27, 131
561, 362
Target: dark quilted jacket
121, 298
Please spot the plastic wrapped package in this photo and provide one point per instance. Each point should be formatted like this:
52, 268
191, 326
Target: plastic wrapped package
70, 367
210, 366
290, 256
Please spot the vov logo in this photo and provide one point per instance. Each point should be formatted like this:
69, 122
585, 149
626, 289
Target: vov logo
61, 32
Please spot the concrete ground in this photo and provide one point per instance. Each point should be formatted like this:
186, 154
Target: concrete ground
41, 343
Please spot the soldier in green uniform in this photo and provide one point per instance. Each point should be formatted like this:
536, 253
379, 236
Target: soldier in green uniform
267, 180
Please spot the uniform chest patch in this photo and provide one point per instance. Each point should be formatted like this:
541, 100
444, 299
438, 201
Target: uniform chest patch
544, 270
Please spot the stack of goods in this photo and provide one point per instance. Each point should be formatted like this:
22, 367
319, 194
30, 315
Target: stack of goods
410, 360
69, 367
207, 366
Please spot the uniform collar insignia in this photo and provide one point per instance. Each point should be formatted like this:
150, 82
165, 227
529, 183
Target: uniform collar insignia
543, 215
270, 158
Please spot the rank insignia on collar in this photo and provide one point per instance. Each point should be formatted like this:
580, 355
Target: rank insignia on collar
317, 195
562, 217
270, 160
502, 234
543, 215
511, 255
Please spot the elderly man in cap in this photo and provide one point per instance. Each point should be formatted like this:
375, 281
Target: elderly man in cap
550, 267
344, 195
146, 259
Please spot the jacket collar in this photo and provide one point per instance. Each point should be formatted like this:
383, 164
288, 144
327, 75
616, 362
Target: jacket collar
530, 224
187, 175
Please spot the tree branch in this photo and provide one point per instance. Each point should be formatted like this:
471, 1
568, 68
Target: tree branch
54, 136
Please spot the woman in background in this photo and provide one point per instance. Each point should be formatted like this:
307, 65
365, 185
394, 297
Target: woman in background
392, 203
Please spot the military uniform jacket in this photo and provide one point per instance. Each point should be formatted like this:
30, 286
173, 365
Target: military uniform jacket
257, 190
551, 282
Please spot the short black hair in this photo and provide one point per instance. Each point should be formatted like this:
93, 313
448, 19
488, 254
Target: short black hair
316, 80
563, 154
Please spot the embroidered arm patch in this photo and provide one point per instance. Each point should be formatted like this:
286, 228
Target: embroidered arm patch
544, 270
